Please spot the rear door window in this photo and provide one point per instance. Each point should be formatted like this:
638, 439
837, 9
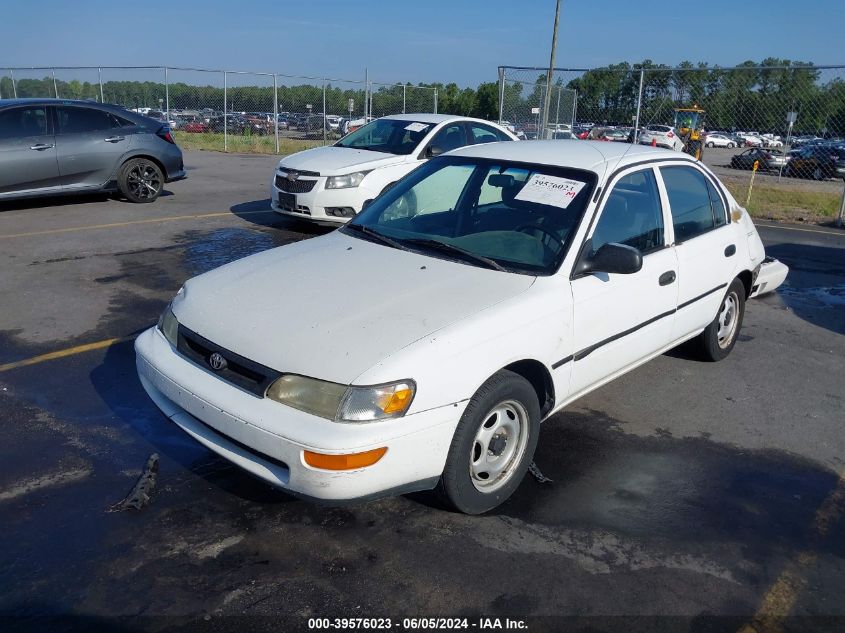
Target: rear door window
74, 120
23, 122
689, 199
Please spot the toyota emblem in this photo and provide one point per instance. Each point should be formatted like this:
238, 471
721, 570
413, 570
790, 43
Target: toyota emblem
216, 361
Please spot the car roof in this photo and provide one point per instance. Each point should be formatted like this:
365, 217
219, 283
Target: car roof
424, 117
50, 101
593, 155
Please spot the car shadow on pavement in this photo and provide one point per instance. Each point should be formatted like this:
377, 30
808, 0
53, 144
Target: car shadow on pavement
815, 287
116, 382
254, 211
66, 201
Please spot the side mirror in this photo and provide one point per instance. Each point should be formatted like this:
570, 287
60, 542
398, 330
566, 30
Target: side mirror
610, 258
434, 150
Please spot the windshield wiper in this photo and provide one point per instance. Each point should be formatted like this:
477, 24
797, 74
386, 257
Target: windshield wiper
379, 237
443, 247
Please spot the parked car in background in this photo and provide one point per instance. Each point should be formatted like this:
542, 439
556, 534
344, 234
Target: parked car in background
486, 291
819, 162
52, 147
749, 140
195, 127
714, 139
770, 159
332, 184
662, 136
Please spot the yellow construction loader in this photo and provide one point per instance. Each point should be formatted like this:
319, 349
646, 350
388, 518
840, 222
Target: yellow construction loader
689, 123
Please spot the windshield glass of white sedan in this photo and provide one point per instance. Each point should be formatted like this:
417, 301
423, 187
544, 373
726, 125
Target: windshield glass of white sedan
393, 136
512, 216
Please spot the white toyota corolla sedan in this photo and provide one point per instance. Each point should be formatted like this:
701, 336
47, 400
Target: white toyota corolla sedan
422, 344
332, 184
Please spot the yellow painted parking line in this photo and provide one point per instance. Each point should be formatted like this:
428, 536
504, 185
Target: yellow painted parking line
62, 353
779, 600
795, 228
111, 225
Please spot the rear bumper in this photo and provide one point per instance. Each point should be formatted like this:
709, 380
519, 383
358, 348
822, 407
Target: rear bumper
772, 274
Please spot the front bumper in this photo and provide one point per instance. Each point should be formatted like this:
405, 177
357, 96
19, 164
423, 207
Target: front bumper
315, 205
267, 438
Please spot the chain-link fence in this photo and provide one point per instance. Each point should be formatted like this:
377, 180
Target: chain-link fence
742, 99
228, 110
788, 120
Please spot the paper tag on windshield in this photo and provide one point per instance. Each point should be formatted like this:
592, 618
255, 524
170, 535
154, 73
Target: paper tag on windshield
416, 127
558, 192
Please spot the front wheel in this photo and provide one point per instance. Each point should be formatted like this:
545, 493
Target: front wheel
730, 145
140, 180
711, 144
719, 338
493, 444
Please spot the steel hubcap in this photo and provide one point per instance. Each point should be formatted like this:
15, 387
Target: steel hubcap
728, 320
143, 181
498, 446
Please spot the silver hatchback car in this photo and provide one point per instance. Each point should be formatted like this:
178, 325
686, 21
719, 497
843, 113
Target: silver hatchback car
53, 146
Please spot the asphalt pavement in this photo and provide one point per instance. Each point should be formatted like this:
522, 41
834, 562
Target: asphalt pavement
684, 495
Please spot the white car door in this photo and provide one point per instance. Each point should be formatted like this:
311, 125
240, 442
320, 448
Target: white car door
621, 319
705, 244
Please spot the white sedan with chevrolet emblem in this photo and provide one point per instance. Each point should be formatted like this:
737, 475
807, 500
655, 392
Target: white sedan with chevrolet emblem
330, 185
478, 296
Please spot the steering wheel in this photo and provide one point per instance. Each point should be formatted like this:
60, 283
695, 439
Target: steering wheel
526, 228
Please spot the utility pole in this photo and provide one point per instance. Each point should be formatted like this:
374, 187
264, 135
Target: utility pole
546, 100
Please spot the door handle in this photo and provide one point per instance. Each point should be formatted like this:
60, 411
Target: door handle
40, 147
666, 278
730, 250
114, 139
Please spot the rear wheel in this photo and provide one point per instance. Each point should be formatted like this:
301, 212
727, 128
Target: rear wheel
719, 338
493, 445
140, 180
818, 174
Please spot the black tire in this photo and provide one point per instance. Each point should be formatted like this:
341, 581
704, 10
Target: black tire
712, 347
140, 180
730, 145
711, 144
505, 399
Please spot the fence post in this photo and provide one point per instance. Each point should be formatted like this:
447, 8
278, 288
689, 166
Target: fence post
324, 110
225, 107
501, 93
557, 110
841, 210
574, 107
435, 100
166, 94
639, 105
100, 81
55, 86
14, 86
366, 94
276, 109
403, 98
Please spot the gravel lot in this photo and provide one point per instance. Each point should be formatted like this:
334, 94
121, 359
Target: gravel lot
700, 493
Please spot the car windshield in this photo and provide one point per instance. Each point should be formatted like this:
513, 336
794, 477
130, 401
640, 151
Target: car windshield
516, 217
393, 136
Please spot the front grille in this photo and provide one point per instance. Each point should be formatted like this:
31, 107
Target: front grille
239, 371
294, 186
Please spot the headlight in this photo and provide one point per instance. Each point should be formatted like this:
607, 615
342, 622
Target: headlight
317, 397
344, 182
169, 326
345, 404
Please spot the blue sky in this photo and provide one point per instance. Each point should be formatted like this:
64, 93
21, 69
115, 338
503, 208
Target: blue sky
400, 40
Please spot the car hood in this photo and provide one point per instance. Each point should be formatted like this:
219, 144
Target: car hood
331, 307
332, 161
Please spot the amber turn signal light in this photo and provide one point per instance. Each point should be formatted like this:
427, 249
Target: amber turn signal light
343, 462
